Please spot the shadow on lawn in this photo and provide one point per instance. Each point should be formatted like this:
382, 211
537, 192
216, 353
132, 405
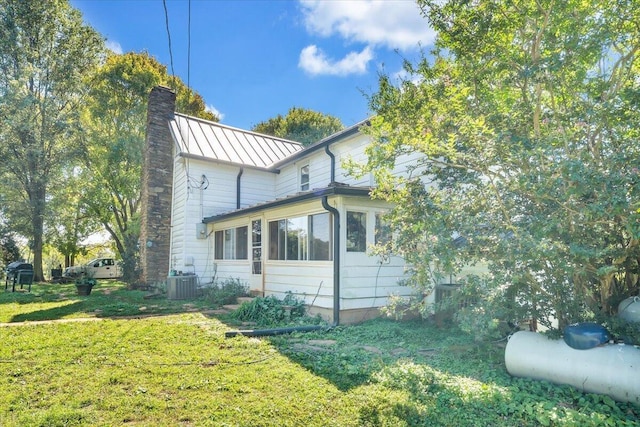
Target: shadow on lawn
110, 299
54, 313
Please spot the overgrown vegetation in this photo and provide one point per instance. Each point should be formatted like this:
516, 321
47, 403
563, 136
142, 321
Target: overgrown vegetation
271, 311
521, 125
226, 292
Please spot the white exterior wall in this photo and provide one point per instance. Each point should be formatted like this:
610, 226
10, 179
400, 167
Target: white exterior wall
367, 280
191, 204
352, 149
305, 279
288, 181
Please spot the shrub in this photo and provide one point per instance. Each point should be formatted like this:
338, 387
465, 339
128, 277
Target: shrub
271, 311
226, 292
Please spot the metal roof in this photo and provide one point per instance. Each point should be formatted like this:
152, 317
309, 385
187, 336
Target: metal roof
210, 140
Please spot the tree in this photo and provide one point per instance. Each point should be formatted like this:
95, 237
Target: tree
301, 125
9, 250
45, 50
524, 119
74, 222
115, 125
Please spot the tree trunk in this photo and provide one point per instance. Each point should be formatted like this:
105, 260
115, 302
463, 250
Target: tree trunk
37, 225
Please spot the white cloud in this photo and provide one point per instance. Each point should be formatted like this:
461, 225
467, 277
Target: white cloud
114, 46
210, 108
315, 62
393, 24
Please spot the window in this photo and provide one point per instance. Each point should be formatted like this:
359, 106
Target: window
382, 230
320, 232
301, 238
304, 178
256, 246
231, 243
356, 231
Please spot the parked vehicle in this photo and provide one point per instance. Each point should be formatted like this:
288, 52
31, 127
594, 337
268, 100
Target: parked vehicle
99, 268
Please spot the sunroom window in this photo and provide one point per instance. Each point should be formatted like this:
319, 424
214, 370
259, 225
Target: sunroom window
382, 230
301, 238
356, 231
231, 243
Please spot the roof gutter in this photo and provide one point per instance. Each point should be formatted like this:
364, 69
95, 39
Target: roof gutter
310, 195
238, 182
222, 162
336, 260
333, 163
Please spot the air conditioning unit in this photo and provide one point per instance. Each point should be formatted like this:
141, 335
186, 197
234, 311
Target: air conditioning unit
182, 287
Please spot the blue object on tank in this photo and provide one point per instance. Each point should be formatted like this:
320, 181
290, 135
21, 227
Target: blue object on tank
583, 336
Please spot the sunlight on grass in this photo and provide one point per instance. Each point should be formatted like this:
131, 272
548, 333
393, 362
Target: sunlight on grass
179, 369
155, 372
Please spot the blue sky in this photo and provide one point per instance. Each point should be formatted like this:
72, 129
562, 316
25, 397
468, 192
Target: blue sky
254, 59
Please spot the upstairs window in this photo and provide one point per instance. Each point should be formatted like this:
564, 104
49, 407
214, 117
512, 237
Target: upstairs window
304, 178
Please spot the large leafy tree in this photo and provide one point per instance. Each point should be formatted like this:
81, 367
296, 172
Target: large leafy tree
45, 50
524, 119
301, 125
115, 125
74, 222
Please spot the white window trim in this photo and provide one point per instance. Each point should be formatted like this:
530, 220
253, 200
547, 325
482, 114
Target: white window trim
308, 175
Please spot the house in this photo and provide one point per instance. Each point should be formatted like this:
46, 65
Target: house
221, 202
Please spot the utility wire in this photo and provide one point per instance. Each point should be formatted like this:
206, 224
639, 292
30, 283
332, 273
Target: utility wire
166, 19
189, 55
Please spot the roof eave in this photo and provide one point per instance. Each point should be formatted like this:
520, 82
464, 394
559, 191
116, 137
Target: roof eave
315, 194
224, 162
345, 133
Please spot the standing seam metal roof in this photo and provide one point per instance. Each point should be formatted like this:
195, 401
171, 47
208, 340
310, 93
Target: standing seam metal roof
215, 141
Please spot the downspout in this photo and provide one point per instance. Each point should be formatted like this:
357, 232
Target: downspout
336, 260
238, 187
333, 163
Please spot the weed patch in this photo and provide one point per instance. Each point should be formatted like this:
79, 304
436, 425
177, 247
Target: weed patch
270, 311
226, 292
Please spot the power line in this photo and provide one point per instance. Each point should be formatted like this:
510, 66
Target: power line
189, 54
166, 18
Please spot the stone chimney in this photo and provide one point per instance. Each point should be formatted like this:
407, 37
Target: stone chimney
157, 187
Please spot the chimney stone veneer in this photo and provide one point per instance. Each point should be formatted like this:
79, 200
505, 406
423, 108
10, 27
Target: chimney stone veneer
157, 187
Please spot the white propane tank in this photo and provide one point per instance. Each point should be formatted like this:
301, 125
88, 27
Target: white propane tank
629, 309
612, 369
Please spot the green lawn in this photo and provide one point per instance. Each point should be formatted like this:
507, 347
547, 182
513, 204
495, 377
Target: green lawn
178, 369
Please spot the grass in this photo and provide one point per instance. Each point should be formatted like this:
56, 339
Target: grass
109, 298
178, 369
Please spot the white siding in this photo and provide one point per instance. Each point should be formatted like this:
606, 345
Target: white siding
288, 181
256, 187
351, 149
193, 201
366, 282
